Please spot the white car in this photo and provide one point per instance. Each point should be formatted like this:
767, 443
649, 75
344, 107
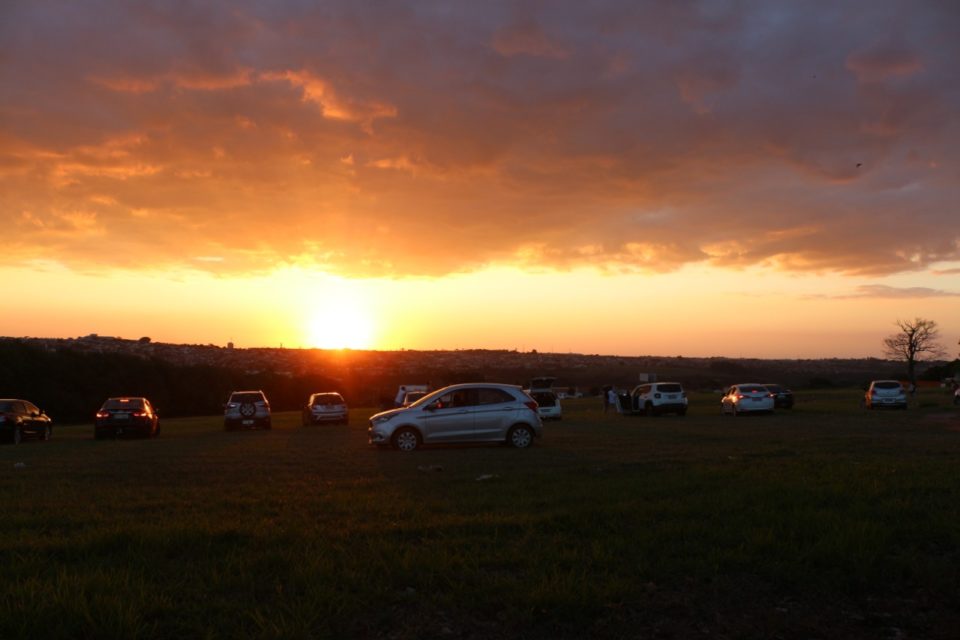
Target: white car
477, 412
548, 404
328, 406
246, 410
747, 398
885, 393
659, 397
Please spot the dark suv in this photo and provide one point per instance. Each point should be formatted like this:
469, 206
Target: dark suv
246, 410
20, 419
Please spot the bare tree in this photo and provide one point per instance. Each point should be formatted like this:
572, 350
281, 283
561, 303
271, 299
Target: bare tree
915, 342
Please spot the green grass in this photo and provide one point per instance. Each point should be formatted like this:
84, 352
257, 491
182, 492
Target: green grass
824, 521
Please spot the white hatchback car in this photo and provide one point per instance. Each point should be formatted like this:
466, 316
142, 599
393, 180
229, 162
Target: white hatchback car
325, 407
885, 393
747, 398
477, 412
548, 404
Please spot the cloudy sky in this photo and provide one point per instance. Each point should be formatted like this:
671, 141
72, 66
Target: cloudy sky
704, 178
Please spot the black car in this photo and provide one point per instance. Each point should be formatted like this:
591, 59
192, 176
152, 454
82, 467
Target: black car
782, 397
20, 420
126, 416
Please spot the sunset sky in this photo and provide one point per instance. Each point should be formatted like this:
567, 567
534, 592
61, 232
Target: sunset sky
755, 179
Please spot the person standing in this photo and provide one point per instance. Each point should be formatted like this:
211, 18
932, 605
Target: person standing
612, 399
401, 396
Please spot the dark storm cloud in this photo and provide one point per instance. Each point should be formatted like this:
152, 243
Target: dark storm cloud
413, 138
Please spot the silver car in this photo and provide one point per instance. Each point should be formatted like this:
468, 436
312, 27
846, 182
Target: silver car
885, 393
477, 412
325, 407
246, 410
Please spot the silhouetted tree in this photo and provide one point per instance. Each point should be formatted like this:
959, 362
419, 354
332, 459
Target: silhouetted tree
915, 342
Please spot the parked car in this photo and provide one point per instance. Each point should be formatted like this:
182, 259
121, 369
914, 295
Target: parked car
782, 397
885, 393
20, 419
246, 409
126, 416
656, 398
412, 396
478, 412
548, 404
328, 406
747, 398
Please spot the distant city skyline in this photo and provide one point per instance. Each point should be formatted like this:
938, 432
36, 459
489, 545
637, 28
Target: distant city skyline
758, 179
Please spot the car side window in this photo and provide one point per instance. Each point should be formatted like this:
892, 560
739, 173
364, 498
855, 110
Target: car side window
493, 396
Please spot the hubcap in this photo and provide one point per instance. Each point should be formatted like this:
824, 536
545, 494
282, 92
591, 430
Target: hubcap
406, 441
520, 438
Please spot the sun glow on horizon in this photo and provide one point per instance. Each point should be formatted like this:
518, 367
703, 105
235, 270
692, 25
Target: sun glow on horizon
339, 318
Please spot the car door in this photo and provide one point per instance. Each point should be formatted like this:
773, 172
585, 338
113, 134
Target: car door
449, 418
495, 413
32, 422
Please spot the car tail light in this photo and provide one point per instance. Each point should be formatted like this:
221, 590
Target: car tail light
739, 396
531, 404
139, 414
103, 414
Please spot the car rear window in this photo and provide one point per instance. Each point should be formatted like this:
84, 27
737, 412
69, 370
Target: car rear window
887, 384
669, 388
774, 388
119, 404
246, 397
327, 399
750, 388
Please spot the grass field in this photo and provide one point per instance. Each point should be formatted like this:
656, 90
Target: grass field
822, 522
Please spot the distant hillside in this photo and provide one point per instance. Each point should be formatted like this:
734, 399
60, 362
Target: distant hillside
71, 377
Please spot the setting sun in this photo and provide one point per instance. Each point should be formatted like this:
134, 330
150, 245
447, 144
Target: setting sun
340, 319
340, 328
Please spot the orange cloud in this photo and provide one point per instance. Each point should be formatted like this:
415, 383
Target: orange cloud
428, 141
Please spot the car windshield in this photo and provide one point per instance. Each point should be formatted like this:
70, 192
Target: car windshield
122, 404
327, 399
246, 397
886, 384
669, 388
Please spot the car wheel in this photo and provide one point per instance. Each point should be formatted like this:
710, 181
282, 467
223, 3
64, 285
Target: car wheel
649, 410
17, 436
520, 437
247, 410
734, 411
46, 433
405, 439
